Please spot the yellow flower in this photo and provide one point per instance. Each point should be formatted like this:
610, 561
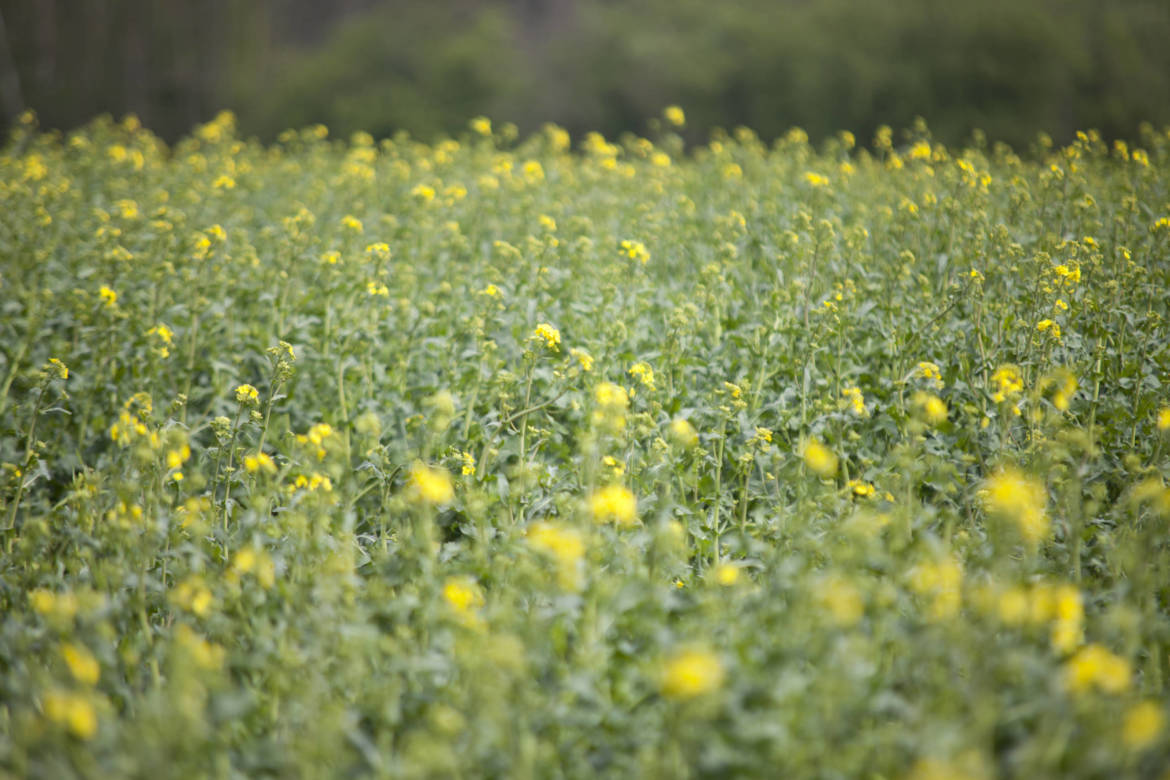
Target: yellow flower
192, 595
1007, 382
73, 711
82, 665
42, 601
564, 545
614, 504
819, 458
58, 368
490, 291
1050, 327
468, 467
644, 373
930, 371
1164, 419
259, 462
941, 582
379, 250
1094, 667
533, 171
861, 489
463, 594
246, 395
108, 296
1012, 494
611, 397
351, 223
675, 116
841, 599
1068, 630
549, 335
816, 179
583, 358
690, 673
424, 193
481, 125
165, 334
206, 655
855, 399
683, 434
429, 485
933, 408
1012, 605
635, 250
726, 574
1142, 725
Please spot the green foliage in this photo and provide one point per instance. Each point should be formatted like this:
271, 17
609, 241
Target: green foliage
339, 457
1003, 66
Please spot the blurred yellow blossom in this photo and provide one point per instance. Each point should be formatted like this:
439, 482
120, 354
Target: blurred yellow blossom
1019, 498
82, 665
1095, 668
72, 711
429, 485
614, 504
1142, 725
690, 673
819, 458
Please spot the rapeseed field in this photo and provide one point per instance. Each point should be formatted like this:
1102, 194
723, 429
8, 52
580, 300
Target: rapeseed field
538, 456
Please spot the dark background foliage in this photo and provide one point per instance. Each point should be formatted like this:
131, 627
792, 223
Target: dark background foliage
1009, 67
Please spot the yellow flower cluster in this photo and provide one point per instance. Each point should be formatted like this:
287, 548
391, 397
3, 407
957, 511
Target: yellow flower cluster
1095, 668
690, 673
644, 373
818, 458
930, 371
675, 116
548, 335
565, 545
72, 711
250, 560
259, 461
614, 504
108, 296
463, 595
1059, 607
583, 358
932, 408
841, 599
1007, 382
854, 399
683, 434
1049, 327
1011, 494
429, 486
246, 395
940, 582
612, 402
635, 250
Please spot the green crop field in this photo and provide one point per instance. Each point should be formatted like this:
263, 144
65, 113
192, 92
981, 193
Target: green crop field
541, 457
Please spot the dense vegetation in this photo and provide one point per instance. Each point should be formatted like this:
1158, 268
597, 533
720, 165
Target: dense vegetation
523, 457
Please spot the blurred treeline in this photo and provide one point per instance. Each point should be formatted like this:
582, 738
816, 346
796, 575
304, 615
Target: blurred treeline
1009, 67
